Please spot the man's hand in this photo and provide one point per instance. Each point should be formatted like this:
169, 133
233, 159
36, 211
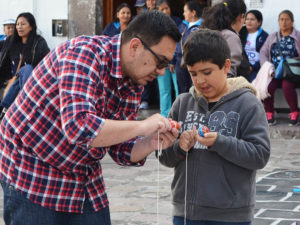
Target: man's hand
153, 124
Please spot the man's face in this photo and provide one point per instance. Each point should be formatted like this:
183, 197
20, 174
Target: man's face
9, 29
209, 79
145, 66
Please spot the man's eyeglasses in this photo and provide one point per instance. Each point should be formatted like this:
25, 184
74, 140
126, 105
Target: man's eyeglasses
162, 63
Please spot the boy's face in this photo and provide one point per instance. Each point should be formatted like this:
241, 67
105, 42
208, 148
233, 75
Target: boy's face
209, 79
9, 29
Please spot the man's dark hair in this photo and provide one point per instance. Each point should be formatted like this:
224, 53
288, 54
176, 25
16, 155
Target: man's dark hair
151, 26
205, 45
222, 15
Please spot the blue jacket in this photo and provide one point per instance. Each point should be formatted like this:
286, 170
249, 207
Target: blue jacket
260, 40
185, 31
177, 20
112, 29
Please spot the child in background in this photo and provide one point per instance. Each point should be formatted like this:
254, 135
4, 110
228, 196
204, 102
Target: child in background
214, 180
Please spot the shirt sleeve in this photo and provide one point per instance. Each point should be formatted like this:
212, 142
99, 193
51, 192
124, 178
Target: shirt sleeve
121, 153
80, 84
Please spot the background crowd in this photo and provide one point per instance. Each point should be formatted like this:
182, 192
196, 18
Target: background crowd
243, 30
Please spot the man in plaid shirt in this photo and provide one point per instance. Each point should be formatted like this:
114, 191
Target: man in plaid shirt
81, 102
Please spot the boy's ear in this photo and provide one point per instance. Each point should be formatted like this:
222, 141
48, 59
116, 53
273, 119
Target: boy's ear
227, 66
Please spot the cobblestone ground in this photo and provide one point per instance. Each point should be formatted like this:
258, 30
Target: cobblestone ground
136, 200
133, 191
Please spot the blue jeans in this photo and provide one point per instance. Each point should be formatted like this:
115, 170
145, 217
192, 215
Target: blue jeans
165, 91
24, 73
180, 221
18, 210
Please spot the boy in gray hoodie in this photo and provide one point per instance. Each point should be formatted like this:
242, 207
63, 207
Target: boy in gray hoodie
214, 175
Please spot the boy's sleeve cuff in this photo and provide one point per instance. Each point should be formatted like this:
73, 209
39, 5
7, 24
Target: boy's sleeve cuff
179, 151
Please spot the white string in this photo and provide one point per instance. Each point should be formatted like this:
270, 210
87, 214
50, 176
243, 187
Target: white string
185, 189
159, 151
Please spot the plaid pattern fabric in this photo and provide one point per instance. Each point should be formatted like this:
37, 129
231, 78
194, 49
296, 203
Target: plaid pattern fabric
46, 134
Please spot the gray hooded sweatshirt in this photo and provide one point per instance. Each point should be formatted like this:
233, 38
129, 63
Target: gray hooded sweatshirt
221, 178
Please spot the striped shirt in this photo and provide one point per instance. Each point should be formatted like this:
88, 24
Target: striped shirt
47, 132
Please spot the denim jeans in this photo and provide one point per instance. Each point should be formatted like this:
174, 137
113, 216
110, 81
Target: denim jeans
18, 210
24, 73
180, 221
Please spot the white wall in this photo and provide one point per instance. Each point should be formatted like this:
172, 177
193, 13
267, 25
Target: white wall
271, 10
43, 10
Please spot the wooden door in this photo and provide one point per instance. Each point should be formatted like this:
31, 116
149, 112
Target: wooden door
110, 6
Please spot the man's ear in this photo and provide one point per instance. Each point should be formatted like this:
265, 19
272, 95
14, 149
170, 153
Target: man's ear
227, 66
134, 45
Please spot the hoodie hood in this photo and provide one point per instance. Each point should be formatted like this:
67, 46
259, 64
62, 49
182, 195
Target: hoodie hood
236, 85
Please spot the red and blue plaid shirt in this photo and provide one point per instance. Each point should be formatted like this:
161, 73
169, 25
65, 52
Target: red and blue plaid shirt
47, 132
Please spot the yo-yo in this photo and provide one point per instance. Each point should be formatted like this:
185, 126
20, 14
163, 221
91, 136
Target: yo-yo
203, 130
174, 124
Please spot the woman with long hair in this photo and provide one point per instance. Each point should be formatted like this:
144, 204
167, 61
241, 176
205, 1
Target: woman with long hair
123, 17
228, 17
21, 52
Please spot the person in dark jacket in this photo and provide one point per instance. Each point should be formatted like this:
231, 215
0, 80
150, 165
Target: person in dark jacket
123, 17
26, 47
192, 21
253, 37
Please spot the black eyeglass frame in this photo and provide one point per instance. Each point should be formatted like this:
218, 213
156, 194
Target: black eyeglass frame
161, 63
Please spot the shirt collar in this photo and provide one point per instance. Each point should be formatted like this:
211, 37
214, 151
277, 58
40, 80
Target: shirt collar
117, 25
115, 57
196, 23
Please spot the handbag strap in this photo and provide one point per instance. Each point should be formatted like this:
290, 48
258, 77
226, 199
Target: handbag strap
278, 42
19, 65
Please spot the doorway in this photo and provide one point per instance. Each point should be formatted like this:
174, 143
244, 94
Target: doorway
110, 6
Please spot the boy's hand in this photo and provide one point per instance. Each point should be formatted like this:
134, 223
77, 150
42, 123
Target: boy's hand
208, 139
166, 139
188, 139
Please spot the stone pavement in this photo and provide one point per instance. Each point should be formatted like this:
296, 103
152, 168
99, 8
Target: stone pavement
133, 191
